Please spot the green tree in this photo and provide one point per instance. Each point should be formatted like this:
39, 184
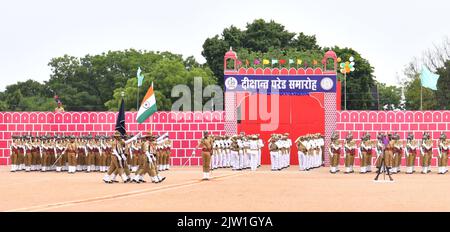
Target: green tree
259, 37
412, 94
28, 88
358, 83
389, 96
164, 74
413, 90
86, 84
27, 96
305, 42
443, 86
13, 100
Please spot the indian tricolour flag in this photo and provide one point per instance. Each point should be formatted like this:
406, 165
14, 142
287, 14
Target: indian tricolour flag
148, 106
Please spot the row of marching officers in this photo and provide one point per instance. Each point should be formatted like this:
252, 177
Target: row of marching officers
390, 149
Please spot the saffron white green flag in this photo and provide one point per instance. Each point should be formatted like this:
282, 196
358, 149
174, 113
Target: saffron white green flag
148, 106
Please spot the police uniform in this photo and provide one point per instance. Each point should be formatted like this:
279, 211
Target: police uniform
228, 152
389, 153
246, 144
288, 145
443, 150
350, 149
274, 150
241, 153
88, 149
410, 153
71, 150
206, 145
398, 149
135, 151
21, 153
253, 151
301, 153
28, 154
426, 150
215, 154
45, 154
59, 148
14, 153
234, 151
366, 154
147, 162
167, 154
118, 161
335, 153
260, 146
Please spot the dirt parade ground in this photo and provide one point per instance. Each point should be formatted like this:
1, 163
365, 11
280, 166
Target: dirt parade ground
263, 190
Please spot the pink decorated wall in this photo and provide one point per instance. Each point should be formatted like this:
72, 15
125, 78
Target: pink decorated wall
184, 128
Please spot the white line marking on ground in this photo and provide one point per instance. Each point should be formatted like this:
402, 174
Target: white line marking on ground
120, 196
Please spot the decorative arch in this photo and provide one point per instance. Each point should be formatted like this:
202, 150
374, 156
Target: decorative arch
363, 117
437, 116
381, 116
390, 116
16, 117
345, 117
418, 116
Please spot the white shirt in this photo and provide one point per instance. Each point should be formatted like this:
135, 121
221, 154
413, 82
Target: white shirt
253, 144
240, 143
260, 143
288, 143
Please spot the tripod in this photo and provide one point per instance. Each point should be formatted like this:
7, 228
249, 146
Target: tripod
384, 169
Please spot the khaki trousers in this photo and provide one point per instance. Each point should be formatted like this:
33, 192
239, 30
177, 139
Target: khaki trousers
349, 159
388, 158
443, 161
426, 158
14, 158
72, 159
206, 157
335, 159
35, 158
397, 159
410, 159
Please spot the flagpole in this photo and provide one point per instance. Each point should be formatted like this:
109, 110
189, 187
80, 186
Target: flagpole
345, 91
137, 99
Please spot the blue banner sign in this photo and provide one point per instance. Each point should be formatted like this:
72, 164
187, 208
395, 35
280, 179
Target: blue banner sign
283, 85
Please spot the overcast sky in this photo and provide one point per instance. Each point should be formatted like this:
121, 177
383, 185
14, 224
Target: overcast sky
387, 33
